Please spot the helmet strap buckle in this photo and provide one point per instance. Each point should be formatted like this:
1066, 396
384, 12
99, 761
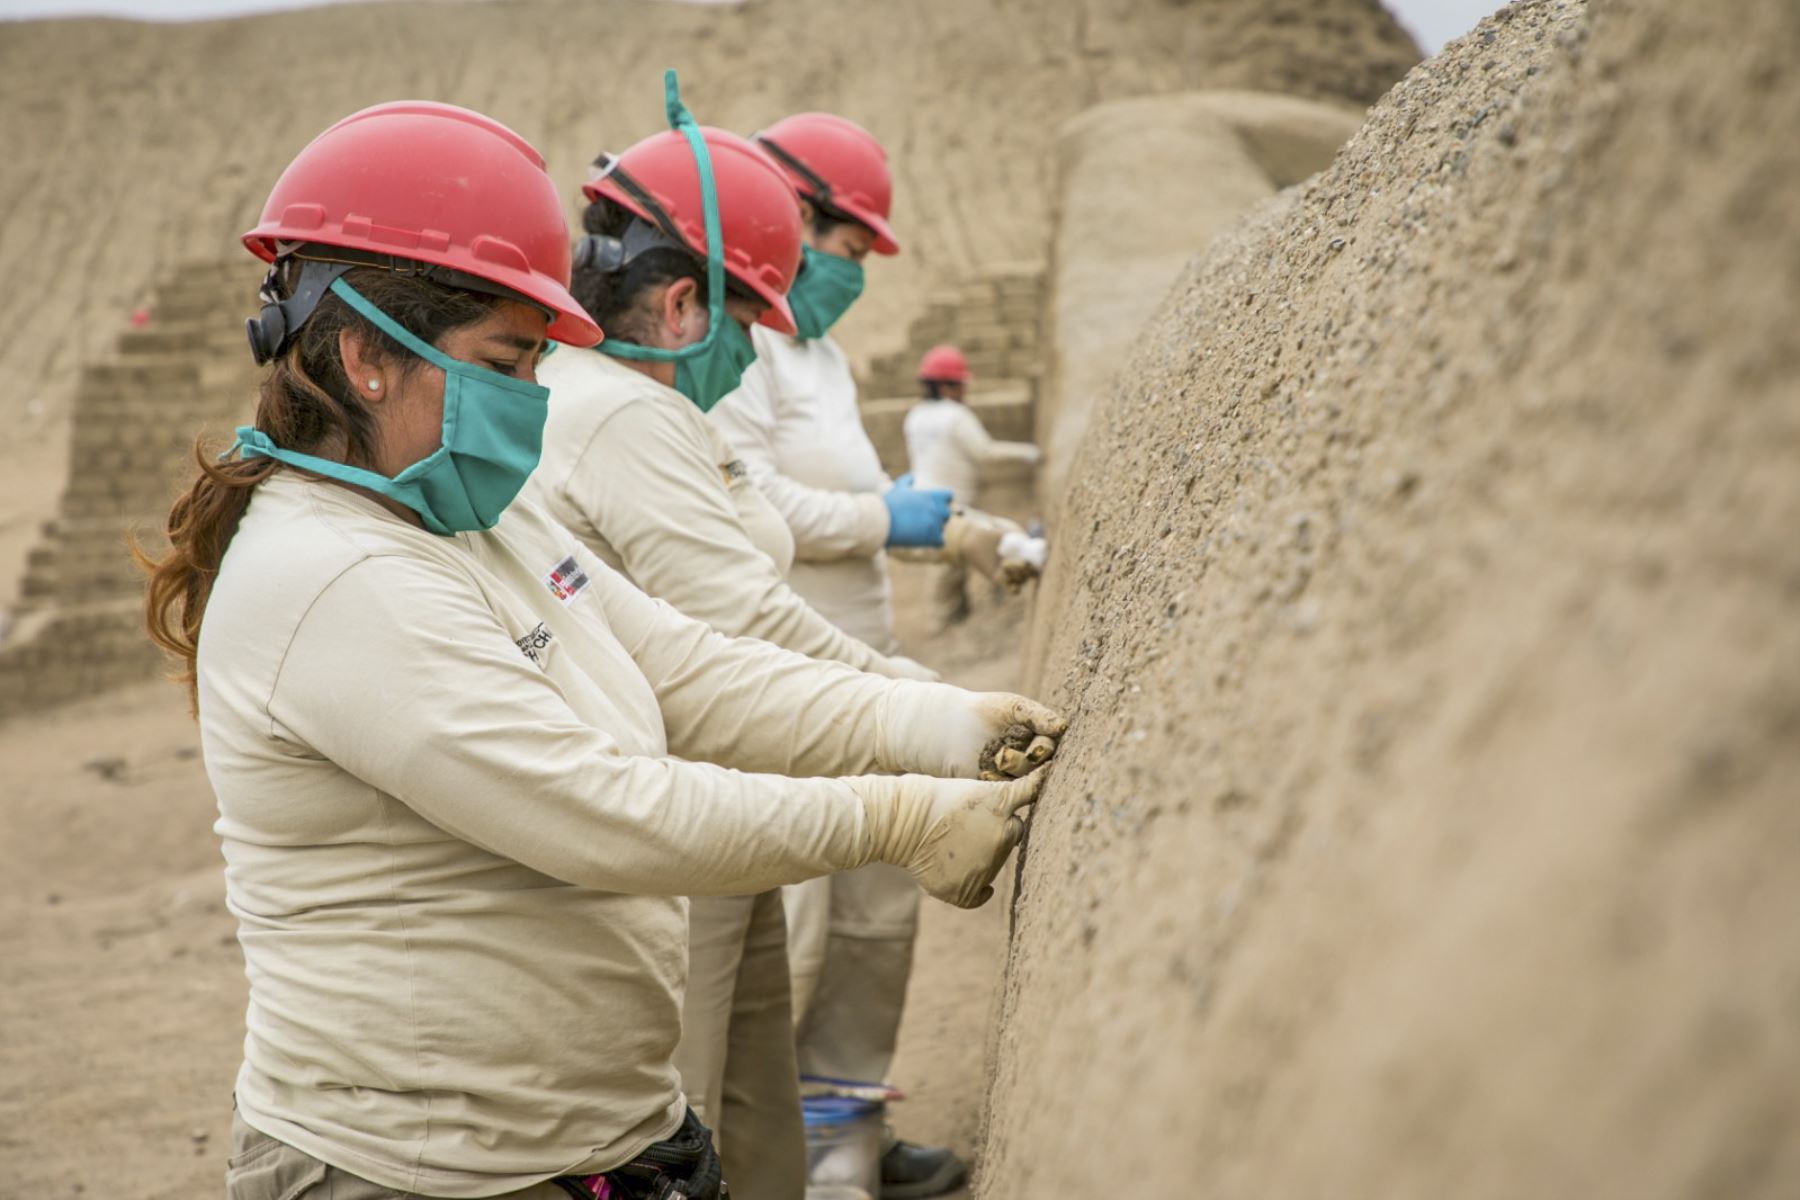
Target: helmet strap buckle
281, 316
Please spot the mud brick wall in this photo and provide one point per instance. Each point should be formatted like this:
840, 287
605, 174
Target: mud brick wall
995, 319
77, 626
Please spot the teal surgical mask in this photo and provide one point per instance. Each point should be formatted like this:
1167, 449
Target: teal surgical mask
709, 377
492, 436
823, 291
710, 368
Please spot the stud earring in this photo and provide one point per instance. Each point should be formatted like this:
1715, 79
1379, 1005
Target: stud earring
374, 385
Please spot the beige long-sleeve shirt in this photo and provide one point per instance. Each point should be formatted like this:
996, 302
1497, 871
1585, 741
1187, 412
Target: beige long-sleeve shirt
454, 839
948, 447
794, 421
649, 485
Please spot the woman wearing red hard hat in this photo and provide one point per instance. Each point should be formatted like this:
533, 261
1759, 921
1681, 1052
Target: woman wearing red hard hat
634, 469
797, 425
443, 736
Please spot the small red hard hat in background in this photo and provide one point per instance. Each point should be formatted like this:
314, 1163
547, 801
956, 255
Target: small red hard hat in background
759, 219
944, 364
836, 162
432, 183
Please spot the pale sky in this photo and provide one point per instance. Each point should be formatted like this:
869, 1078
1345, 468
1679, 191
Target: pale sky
1431, 22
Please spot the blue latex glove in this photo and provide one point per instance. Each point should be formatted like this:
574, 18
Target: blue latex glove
916, 516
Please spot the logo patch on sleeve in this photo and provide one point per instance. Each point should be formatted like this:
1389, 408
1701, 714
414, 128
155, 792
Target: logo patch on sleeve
535, 643
566, 580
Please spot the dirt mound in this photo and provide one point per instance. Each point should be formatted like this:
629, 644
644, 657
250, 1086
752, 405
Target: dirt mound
1428, 823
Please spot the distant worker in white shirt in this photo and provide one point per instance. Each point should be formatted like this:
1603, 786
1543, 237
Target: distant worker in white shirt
795, 422
949, 448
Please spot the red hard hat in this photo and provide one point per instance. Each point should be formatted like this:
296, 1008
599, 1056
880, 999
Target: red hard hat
759, 222
839, 164
944, 364
432, 183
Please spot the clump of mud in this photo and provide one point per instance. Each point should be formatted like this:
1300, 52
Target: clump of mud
1015, 740
1017, 751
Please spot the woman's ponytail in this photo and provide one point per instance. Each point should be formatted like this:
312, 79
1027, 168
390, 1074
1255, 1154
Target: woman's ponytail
307, 404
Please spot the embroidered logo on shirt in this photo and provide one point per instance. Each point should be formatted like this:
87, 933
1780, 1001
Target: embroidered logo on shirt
566, 580
733, 471
534, 643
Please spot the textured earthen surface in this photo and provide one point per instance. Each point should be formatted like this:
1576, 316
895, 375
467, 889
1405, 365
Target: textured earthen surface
1428, 823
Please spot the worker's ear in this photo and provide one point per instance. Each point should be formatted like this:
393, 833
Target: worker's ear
682, 319
370, 373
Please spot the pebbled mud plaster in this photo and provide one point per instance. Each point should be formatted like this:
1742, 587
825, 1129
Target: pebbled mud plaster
1428, 592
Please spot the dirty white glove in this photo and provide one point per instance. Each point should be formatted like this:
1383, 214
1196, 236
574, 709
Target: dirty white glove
1032, 551
936, 729
952, 835
997, 549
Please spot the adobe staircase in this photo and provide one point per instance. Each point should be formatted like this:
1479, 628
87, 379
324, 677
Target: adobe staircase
995, 319
78, 626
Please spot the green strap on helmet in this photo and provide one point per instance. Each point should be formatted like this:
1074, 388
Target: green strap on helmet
683, 123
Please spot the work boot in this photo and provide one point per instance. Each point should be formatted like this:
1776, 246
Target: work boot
910, 1172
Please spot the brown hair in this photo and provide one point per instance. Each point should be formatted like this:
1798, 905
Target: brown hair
307, 404
618, 299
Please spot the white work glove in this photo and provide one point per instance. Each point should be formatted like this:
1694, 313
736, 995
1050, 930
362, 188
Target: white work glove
951, 835
946, 731
997, 549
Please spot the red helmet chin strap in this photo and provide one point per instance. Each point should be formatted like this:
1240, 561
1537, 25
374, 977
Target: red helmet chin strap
656, 181
838, 165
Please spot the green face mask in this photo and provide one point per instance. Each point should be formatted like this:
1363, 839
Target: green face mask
708, 378
493, 433
823, 291
710, 369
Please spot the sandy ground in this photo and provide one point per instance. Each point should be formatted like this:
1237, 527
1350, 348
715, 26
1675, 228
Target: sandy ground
1426, 609
122, 993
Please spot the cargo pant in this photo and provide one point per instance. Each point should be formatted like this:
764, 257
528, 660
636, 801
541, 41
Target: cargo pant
736, 1054
262, 1168
852, 953
850, 935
